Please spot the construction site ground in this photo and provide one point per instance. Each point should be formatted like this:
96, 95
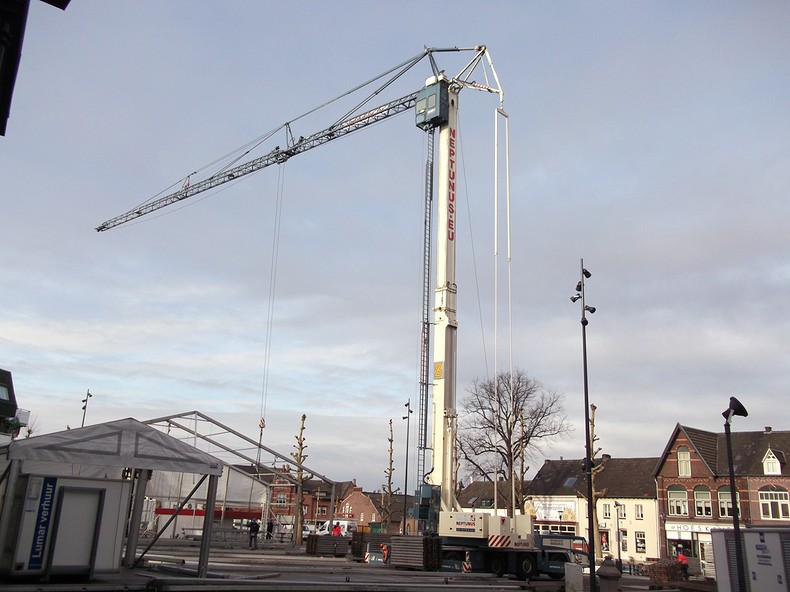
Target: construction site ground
171, 566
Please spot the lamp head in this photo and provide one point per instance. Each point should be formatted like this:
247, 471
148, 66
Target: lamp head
590, 309
735, 408
579, 286
575, 297
586, 273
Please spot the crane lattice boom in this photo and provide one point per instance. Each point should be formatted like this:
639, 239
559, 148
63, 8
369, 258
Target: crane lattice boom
276, 156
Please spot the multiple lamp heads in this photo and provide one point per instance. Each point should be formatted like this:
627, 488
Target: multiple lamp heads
580, 296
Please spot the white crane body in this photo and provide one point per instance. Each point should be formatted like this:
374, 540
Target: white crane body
445, 307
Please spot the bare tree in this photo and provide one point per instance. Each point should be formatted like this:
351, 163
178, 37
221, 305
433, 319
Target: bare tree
299, 456
594, 470
386, 489
503, 422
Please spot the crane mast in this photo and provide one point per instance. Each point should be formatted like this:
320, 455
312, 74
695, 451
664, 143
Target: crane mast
440, 100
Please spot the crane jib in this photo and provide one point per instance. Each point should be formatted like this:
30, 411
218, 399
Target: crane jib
276, 156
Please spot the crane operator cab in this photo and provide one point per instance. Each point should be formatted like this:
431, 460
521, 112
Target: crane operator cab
433, 103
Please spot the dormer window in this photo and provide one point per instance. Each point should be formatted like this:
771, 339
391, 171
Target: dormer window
684, 462
771, 464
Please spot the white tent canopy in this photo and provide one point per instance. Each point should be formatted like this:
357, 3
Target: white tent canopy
122, 443
106, 449
236, 488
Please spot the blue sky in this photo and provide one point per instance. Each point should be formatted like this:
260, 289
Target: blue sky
650, 138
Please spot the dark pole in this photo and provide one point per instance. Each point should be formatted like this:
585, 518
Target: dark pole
617, 538
85, 406
407, 417
588, 462
736, 510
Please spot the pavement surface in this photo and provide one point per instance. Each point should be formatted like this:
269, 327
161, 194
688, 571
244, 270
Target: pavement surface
172, 566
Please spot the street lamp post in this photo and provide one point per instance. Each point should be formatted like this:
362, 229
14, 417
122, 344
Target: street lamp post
735, 408
617, 506
407, 417
588, 445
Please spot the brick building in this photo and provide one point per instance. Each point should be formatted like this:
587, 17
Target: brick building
693, 486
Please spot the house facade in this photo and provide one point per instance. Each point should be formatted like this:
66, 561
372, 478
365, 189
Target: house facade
316, 499
626, 508
373, 512
693, 486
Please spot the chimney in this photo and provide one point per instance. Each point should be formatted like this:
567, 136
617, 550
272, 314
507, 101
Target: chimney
768, 429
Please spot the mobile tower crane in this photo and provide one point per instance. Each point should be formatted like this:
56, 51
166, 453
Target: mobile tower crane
436, 107
485, 542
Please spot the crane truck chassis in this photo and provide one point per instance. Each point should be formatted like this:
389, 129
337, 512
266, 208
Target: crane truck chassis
480, 542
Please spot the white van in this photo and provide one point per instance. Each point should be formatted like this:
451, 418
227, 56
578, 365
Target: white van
347, 527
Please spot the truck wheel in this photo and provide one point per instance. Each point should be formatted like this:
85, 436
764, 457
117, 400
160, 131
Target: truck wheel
525, 567
495, 565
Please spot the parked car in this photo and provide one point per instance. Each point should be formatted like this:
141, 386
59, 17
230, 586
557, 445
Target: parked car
347, 527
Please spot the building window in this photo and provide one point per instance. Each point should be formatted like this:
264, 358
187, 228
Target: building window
373, 516
624, 541
322, 511
774, 505
725, 502
684, 462
771, 464
639, 512
607, 511
703, 507
281, 500
677, 500
641, 542
362, 516
621, 511
549, 528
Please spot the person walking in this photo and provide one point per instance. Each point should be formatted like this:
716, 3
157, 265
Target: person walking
684, 564
254, 528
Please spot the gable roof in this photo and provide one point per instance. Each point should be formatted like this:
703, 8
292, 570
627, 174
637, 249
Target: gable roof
621, 478
748, 449
121, 443
705, 443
